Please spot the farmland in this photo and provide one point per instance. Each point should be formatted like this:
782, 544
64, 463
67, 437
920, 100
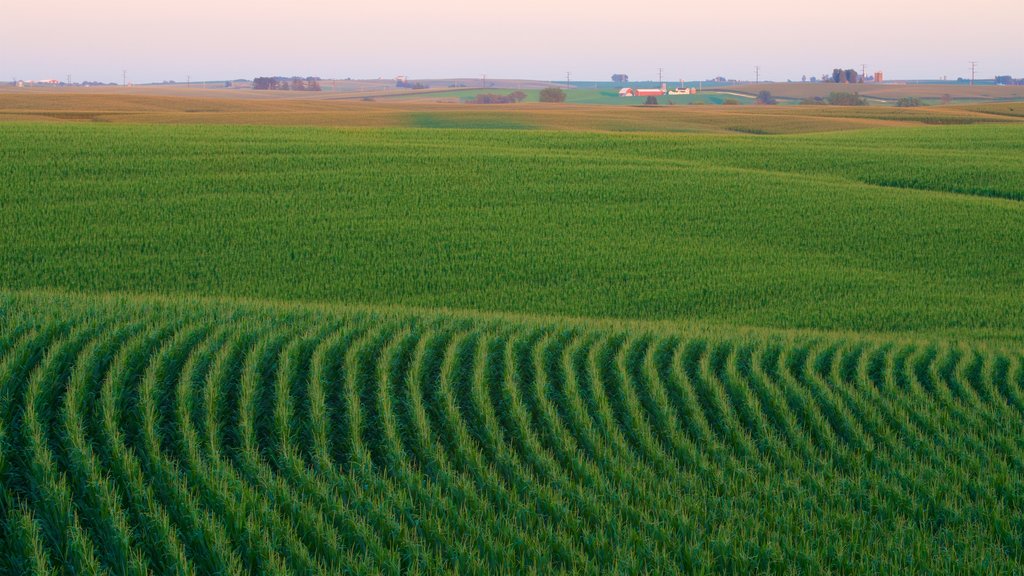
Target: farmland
593, 225
312, 336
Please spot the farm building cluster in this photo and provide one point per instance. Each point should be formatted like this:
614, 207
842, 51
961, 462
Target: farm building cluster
634, 92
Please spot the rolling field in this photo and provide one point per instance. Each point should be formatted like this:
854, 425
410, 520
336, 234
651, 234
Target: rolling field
608, 97
318, 110
320, 337
909, 230
143, 436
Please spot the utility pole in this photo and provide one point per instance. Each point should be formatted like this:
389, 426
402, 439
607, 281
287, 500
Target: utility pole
69, 80
124, 77
568, 79
757, 74
188, 81
659, 76
974, 66
863, 68
484, 80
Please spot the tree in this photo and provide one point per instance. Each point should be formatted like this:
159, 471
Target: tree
298, 84
908, 102
620, 78
265, 83
837, 75
512, 98
765, 97
845, 99
552, 94
651, 101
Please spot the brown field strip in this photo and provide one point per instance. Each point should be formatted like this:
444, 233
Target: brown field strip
173, 109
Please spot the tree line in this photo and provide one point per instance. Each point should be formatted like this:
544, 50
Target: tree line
297, 83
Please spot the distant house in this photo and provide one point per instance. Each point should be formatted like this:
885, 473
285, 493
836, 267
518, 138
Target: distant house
630, 92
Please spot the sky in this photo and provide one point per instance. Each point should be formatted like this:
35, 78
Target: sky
153, 41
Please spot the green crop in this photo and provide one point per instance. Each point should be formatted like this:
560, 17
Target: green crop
189, 437
881, 230
511, 351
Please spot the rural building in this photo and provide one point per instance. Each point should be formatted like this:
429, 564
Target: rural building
630, 92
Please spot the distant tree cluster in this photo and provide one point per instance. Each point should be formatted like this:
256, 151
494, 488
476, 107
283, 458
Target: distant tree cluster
1009, 81
297, 83
908, 102
845, 99
403, 83
552, 94
620, 78
765, 97
848, 76
513, 98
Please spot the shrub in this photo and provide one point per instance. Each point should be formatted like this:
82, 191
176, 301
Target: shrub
552, 94
499, 98
846, 99
730, 102
908, 102
765, 97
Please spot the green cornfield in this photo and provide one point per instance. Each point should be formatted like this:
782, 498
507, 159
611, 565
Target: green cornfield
142, 436
295, 350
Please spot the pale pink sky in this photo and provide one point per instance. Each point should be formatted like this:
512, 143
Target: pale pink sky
540, 39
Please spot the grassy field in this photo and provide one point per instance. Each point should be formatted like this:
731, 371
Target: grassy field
322, 337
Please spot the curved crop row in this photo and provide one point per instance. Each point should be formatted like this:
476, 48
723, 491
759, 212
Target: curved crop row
201, 440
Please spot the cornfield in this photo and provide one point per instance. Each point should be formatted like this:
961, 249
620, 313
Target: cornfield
151, 436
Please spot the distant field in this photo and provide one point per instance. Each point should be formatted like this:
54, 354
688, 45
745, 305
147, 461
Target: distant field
959, 92
393, 112
581, 96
